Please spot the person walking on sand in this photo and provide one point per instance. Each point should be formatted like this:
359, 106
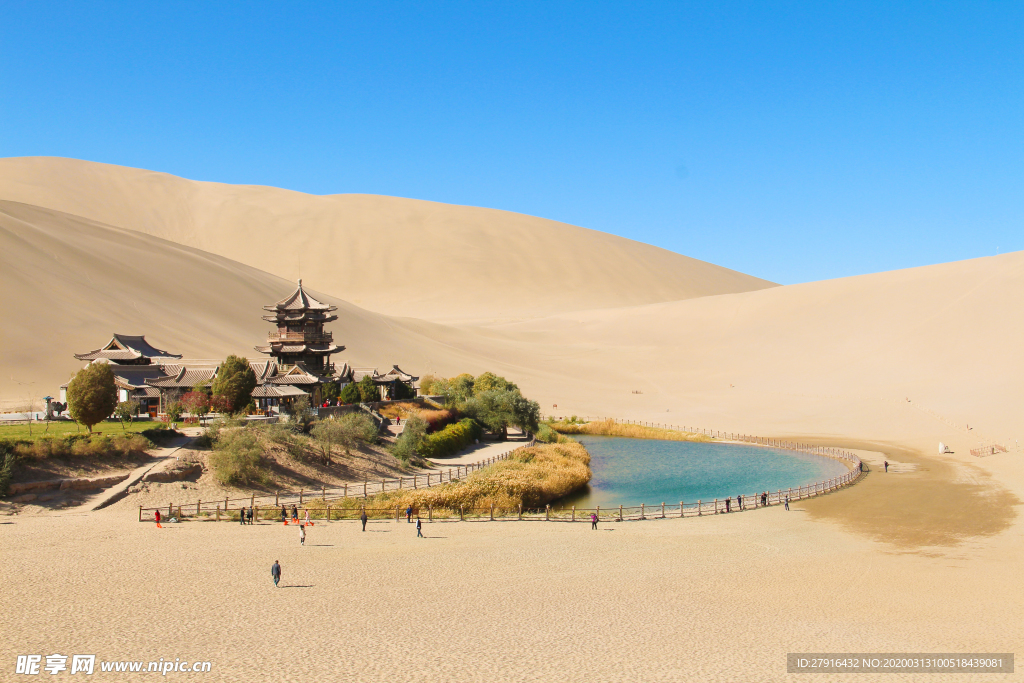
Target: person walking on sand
362, 518
275, 571
156, 515
284, 514
302, 534
295, 515
419, 528
408, 514
308, 523
787, 503
593, 520
764, 499
728, 502
241, 515
739, 502
886, 465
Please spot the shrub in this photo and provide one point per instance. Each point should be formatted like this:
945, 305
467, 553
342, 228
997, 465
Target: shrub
368, 390
408, 442
8, 459
174, 411
237, 459
451, 439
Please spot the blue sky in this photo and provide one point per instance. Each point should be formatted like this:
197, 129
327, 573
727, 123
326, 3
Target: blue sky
793, 141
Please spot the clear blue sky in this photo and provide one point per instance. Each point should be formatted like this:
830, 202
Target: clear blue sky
793, 141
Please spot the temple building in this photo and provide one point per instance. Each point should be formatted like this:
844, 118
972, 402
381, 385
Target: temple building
300, 351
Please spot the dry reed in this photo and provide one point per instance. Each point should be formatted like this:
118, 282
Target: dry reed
610, 427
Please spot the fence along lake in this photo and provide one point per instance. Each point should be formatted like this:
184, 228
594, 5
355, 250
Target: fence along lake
634, 471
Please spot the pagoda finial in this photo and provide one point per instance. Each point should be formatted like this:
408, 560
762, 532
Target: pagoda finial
300, 282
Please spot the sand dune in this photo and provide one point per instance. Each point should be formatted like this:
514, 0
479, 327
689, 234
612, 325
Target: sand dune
395, 256
69, 283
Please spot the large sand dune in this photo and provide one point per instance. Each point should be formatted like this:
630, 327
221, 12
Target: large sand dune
396, 256
69, 283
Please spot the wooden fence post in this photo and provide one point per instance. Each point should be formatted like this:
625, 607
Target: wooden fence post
547, 513
663, 509
323, 492
574, 513
218, 512
364, 488
140, 513
492, 512
198, 504
252, 500
462, 513
598, 513
681, 509
643, 510
716, 506
300, 496
430, 513
328, 513
520, 512
700, 511
277, 496
344, 493
225, 504
620, 513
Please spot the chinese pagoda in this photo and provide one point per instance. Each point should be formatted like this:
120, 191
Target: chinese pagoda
300, 341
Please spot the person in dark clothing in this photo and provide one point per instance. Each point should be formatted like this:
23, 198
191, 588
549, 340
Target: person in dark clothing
408, 514
249, 514
764, 499
886, 465
295, 514
284, 513
787, 503
593, 520
728, 503
275, 571
362, 518
739, 502
419, 528
241, 515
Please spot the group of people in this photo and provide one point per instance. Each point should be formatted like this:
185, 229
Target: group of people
246, 515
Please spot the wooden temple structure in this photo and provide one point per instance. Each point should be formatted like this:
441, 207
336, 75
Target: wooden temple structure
300, 351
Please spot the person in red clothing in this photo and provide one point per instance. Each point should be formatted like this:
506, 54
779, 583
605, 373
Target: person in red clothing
157, 515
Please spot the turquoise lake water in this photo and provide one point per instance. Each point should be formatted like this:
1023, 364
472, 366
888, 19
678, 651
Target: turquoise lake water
635, 471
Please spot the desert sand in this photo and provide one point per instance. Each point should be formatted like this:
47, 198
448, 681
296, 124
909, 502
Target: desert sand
924, 559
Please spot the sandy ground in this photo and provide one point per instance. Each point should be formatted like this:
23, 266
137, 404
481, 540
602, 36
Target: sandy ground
716, 599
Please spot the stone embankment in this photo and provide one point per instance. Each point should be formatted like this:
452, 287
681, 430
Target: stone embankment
24, 492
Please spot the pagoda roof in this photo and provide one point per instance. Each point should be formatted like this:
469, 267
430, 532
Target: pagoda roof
359, 373
126, 347
300, 348
300, 301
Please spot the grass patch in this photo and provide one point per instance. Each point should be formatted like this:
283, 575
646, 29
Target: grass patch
79, 446
612, 428
41, 430
451, 439
531, 477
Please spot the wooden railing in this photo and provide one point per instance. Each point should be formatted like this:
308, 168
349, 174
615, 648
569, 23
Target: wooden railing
364, 489
228, 508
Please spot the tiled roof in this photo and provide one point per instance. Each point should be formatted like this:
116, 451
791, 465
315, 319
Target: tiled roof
397, 373
300, 301
271, 391
126, 347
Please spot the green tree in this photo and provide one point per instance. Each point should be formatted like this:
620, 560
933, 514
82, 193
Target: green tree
125, 411
427, 384
497, 409
488, 381
350, 394
368, 390
92, 394
327, 434
329, 391
301, 412
174, 412
235, 381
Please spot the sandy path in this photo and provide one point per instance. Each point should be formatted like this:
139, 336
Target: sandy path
717, 598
